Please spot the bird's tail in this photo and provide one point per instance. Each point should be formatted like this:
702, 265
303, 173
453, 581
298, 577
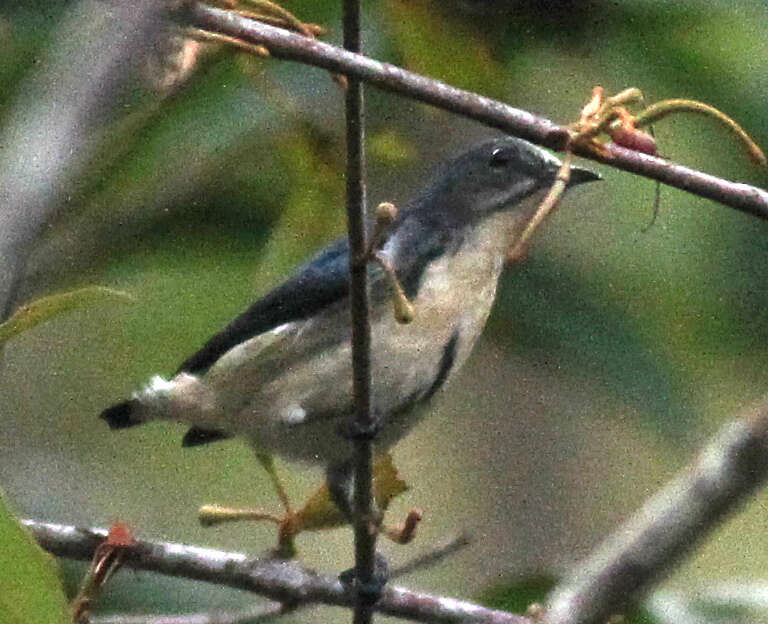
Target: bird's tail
150, 403
122, 415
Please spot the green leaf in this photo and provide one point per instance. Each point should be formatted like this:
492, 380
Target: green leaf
43, 309
516, 594
30, 588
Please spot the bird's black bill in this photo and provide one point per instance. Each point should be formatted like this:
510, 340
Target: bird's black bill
580, 175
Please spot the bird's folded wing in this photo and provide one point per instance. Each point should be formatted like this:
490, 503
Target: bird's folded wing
321, 282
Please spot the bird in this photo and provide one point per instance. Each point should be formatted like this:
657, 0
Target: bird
280, 373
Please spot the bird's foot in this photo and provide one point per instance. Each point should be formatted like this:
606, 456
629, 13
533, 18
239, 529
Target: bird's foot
353, 430
369, 591
405, 532
288, 525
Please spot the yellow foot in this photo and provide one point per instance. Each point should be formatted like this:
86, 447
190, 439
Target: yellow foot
405, 532
288, 525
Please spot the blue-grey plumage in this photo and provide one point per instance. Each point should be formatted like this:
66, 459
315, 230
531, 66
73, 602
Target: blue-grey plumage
280, 373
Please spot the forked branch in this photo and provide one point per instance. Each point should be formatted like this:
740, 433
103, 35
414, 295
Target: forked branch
668, 527
284, 581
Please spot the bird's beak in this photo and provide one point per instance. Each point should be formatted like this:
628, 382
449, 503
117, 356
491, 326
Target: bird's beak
580, 175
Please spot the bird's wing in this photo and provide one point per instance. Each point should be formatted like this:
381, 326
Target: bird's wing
321, 282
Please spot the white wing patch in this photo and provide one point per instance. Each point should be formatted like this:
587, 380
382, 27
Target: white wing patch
156, 385
294, 414
282, 328
250, 350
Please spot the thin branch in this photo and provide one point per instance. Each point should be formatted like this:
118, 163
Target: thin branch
363, 418
671, 607
365, 535
622, 569
745, 593
434, 556
290, 46
284, 581
266, 611
669, 526
678, 607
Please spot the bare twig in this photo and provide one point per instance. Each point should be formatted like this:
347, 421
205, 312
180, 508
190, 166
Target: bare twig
433, 556
669, 525
671, 607
261, 612
620, 571
283, 581
290, 46
365, 533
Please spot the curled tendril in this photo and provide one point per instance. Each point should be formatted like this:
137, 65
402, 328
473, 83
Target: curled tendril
658, 111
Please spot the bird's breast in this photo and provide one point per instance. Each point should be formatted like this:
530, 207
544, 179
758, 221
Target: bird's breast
452, 303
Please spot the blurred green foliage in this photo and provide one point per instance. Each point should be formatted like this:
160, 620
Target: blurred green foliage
518, 594
197, 202
41, 310
30, 587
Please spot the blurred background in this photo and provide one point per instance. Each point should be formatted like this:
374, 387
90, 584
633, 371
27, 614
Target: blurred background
614, 351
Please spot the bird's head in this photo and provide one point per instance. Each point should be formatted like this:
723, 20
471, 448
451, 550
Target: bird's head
496, 175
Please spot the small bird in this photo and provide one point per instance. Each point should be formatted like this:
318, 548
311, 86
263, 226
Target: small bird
281, 374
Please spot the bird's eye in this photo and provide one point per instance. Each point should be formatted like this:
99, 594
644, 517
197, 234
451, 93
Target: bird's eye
500, 158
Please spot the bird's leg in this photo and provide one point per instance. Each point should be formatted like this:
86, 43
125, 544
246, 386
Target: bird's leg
341, 487
288, 526
387, 484
268, 463
329, 507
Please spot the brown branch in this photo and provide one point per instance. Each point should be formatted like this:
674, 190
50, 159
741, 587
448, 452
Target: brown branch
294, 47
620, 571
290, 46
434, 555
268, 611
284, 581
363, 417
669, 526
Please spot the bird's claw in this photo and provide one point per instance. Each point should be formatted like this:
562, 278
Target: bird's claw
354, 430
370, 591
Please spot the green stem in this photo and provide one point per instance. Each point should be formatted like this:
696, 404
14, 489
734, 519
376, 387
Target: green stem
658, 111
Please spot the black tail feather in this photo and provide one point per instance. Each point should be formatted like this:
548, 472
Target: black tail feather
196, 436
122, 415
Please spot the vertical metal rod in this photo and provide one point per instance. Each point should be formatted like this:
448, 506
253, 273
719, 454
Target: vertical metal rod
365, 538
